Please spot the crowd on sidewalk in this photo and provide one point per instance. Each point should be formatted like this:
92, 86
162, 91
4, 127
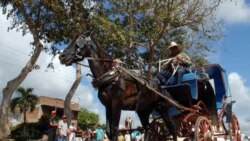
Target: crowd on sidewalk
60, 131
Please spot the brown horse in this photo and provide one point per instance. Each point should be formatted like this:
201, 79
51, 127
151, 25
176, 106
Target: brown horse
119, 91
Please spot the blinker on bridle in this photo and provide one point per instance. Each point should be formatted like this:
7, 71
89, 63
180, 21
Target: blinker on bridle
80, 42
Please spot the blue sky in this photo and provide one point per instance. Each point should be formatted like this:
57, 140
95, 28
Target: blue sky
234, 50
232, 53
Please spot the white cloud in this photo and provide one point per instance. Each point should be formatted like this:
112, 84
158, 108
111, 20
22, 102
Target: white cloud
234, 11
240, 93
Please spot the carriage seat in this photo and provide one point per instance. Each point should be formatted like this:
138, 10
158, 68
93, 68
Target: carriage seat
190, 76
191, 79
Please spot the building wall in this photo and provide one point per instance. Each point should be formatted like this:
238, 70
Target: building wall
51, 103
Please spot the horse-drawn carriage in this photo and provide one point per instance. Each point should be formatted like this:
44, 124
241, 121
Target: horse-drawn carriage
195, 108
206, 91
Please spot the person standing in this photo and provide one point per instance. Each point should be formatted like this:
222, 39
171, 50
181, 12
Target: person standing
99, 133
53, 125
79, 134
120, 137
88, 134
143, 135
127, 136
63, 127
105, 136
126, 123
129, 122
93, 134
72, 134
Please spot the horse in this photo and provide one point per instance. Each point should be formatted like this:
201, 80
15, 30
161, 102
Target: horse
119, 91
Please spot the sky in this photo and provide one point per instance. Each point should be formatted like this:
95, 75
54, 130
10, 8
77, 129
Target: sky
232, 53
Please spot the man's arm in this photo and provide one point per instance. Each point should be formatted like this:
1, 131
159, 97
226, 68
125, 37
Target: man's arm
183, 58
53, 124
59, 128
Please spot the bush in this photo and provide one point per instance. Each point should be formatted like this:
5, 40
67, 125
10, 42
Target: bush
25, 131
43, 123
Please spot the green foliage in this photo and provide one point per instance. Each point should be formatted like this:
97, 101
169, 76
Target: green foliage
25, 101
86, 118
124, 27
26, 131
52, 21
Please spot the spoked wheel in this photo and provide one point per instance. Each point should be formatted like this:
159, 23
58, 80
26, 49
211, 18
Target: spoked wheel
158, 131
235, 129
185, 129
203, 130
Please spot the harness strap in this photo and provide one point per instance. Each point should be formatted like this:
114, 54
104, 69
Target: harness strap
106, 78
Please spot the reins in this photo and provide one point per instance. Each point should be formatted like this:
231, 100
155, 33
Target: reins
105, 60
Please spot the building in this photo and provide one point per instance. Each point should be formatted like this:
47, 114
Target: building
44, 106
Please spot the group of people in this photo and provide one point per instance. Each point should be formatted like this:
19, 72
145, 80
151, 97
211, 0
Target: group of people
60, 131
128, 123
133, 136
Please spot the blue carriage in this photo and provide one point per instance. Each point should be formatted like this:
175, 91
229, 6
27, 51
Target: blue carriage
206, 92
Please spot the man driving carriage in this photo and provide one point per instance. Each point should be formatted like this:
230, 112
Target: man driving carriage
178, 64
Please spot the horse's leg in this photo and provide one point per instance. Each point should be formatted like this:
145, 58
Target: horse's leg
144, 118
167, 120
116, 113
109, 122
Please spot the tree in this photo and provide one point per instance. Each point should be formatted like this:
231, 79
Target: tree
87, 118
67, 110
145, 28
25, 101
51, 21
24, 21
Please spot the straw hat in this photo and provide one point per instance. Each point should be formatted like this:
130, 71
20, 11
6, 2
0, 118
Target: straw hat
174, 44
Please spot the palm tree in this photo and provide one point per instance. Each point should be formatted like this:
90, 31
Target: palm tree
25, 101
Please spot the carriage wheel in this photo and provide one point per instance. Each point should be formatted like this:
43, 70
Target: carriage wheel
185, 129
203, 129
235, 129
158, 130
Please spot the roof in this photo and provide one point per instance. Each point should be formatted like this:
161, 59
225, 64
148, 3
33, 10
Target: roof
56, 102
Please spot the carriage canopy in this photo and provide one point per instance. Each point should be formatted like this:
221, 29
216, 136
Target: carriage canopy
218, 79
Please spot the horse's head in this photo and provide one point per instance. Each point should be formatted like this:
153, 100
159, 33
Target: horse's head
75, 52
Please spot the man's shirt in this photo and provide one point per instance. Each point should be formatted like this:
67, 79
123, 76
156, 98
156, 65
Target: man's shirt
63, 127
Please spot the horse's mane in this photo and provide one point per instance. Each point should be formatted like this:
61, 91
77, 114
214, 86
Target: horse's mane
104, 57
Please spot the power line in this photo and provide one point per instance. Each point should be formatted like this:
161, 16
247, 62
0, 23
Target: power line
6, 62
48, 74
18, 51
9, 47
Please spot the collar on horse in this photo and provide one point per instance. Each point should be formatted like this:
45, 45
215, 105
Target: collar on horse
106, 78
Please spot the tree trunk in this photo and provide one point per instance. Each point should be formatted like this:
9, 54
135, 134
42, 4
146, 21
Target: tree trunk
153, 43
151, 59
67, 110
9, 90
24, 117
14, 83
